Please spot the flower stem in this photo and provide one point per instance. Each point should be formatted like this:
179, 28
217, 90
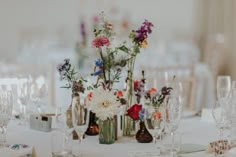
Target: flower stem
103, 67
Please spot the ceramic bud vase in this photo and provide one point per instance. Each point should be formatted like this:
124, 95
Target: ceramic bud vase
143, 135
107, 131
92, 129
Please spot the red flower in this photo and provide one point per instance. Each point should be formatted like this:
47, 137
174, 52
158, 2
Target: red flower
89, 96
133, 111
100, 41
137, 85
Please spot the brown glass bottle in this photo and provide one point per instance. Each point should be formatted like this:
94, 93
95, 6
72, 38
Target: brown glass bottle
143, 136
92, 129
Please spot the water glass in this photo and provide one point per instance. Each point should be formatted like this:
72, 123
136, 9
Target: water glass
57, 142
171, 145
60, 144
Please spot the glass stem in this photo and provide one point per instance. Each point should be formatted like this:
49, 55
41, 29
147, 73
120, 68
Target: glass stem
221, 133
172, 144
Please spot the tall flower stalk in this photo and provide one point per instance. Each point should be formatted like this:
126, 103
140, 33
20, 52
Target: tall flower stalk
139, 40
111, 59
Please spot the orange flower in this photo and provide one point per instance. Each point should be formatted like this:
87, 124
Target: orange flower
156, 115
152, 90
125, 24
119, 94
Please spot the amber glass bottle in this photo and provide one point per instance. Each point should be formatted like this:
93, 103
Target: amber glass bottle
143, 135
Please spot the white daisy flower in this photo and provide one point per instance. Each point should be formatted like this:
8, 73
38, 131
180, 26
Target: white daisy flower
104, 104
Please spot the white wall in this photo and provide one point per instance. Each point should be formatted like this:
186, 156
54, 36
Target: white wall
19, 19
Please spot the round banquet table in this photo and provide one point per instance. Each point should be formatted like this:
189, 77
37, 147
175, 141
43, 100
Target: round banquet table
193, 129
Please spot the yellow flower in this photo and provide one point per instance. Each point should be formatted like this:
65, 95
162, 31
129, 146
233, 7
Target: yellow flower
144, 44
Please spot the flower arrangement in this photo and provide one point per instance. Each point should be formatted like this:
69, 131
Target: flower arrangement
112, 59
67, 73
139, 40
157, 98
136, 111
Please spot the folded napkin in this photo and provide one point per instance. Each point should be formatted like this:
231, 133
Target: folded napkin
191, 148
18, 150
206, 115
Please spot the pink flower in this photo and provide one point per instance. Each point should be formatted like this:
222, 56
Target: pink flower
100, 41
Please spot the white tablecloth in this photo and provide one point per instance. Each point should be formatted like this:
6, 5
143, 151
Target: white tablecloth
194, 131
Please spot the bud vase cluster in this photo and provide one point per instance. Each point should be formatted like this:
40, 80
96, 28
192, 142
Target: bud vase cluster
102, 97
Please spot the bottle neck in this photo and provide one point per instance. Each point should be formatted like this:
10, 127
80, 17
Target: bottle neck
142, 125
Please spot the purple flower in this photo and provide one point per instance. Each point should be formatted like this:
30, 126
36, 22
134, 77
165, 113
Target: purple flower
142, 33
82, 30
64, 68
166, 91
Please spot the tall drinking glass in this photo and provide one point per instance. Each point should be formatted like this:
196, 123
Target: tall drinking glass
23, 97
6, 104
158, 123
223, 88
80, 119
172, 118
222, 116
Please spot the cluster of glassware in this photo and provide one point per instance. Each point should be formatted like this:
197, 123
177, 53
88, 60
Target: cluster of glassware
80, 121
224, 109
165, 120
32, 97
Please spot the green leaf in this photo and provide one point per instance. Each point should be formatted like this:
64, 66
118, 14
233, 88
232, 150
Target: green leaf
123, 48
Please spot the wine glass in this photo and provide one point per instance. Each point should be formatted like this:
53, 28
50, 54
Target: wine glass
62, 126
23, 97
222, 117
157, 121
38, 92
172, 118
80, 119
6, 105
223, 88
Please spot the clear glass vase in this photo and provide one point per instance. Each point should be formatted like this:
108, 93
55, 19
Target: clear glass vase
107, 131
128, 124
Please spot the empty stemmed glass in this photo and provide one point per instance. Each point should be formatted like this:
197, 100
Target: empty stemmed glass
80, 119
172, 118
38, 92
222, 116
23, 97
6, 104
157, 121
223, 88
